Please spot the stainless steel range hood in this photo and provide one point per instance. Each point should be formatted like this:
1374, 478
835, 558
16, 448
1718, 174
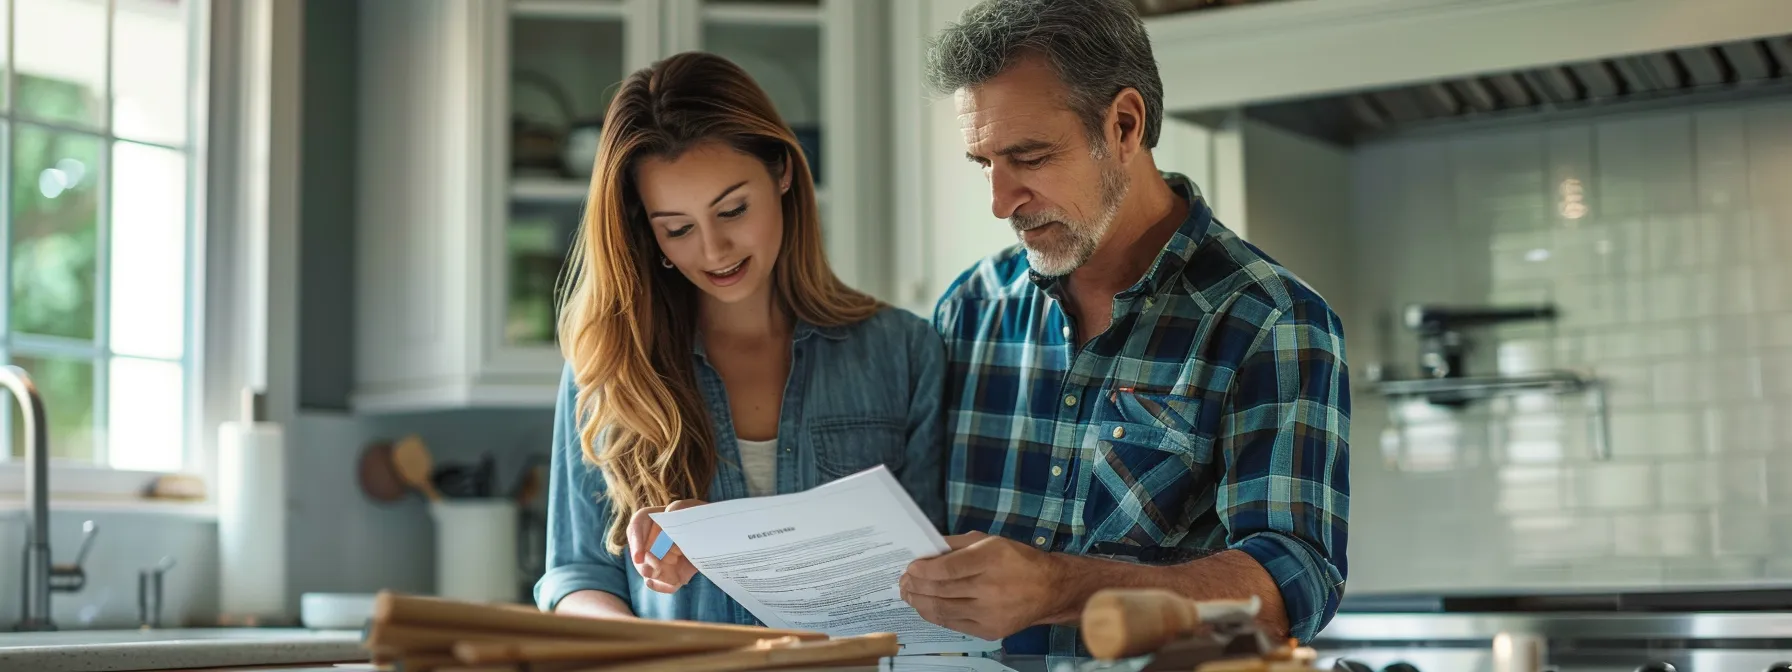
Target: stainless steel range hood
1749, 67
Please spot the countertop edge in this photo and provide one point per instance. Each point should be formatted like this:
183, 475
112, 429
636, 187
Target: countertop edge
123, 657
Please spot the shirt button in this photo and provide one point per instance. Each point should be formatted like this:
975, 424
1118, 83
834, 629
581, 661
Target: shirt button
1057, 471
1147, 302
1038, 541
1119, 432
1069, 400
1066, 333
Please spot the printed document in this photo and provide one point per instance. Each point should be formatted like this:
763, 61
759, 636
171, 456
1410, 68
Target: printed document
828, 559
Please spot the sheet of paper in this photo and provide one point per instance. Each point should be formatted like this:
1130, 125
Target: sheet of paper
827, 559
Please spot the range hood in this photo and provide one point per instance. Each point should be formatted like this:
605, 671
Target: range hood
1748, 67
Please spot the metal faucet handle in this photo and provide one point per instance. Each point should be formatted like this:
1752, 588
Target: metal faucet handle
149, 593
72, 577
88, 531
166, 564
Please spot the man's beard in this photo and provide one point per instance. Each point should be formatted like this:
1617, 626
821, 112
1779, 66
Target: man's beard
1076, 240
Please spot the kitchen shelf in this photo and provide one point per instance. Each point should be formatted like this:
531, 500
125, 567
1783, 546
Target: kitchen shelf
1449, 390
1459, 391
556, 190
762, 14
548, 189
569, 9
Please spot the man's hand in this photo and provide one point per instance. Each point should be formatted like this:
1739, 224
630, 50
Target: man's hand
667, 574
988, 587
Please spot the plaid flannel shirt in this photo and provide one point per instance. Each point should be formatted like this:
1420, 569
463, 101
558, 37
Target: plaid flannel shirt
1213, 414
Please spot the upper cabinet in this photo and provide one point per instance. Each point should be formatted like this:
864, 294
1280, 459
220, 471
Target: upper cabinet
479, 122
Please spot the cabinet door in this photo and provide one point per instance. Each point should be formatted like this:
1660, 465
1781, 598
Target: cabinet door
779, 45
565, 61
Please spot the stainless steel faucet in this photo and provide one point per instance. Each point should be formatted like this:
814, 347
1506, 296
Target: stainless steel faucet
40, 578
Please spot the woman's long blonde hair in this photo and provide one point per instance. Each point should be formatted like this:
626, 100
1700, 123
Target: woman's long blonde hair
628, 326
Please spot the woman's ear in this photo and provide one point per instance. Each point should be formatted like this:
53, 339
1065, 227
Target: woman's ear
784, 179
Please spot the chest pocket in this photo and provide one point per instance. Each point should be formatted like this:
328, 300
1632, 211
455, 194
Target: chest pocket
848, 445
1152, 468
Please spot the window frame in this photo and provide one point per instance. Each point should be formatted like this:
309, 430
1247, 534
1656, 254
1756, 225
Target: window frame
97, 479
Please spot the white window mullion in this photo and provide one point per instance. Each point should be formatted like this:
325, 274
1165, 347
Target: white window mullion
102, 289
198, 118
12, 98
37, 345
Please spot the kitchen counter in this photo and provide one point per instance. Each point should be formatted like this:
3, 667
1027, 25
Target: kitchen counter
175, 648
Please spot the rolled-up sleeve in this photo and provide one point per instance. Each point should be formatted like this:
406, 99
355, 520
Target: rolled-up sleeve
578, 516
1285, 494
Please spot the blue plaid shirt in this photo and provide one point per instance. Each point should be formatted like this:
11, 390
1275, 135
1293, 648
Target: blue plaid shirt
1213, 414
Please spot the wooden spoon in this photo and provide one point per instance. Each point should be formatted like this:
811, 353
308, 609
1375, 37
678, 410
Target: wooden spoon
411, 458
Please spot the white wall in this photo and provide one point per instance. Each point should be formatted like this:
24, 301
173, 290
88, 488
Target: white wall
1674, 286
1297, 198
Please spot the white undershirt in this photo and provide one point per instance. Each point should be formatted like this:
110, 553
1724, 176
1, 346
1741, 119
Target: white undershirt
759, 460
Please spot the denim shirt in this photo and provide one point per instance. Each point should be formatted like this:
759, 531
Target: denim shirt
858, 396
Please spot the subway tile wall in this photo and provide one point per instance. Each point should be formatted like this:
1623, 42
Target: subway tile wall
1665, 240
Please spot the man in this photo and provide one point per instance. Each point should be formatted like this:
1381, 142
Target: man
1141, 399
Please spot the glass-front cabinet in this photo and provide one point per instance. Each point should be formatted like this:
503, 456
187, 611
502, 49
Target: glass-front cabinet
565, 62
480, 124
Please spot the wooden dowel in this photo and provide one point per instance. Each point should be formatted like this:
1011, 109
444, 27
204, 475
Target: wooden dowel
425, 662
415, 639
489, 652
769, 654
412, 610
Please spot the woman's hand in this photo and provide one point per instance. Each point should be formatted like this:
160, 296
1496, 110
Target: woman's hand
667, 574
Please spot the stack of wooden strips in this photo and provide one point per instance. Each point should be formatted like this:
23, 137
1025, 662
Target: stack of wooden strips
426, 634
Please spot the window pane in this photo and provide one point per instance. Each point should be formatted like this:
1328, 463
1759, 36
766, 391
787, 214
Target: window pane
145, 415
61, 50
149, 71
149, 251
66, 386
55, 210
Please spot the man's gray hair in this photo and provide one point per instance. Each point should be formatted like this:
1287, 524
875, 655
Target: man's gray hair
1097, 47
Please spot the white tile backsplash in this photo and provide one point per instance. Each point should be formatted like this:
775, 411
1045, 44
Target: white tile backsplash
1776, 375
1689, 484
1742, 532
1676, 534
1614, 487
1674, 282
1740, 427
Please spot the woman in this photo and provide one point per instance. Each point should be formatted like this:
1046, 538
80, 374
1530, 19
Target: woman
712, 354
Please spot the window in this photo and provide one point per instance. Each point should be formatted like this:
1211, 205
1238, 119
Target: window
98, 131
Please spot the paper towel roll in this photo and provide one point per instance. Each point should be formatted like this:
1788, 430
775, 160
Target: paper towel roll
251, 522
476, 549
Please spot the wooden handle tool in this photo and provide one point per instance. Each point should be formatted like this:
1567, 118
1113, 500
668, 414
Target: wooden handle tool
1122, 623
411, 459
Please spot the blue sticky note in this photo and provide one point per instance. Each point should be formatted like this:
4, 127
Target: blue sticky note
661, 545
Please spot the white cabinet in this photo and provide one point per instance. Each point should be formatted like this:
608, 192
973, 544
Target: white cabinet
468, 201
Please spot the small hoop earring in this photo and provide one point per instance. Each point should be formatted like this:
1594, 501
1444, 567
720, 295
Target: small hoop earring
667, 263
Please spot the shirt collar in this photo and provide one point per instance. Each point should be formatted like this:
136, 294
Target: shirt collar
802, 330
1176, 253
